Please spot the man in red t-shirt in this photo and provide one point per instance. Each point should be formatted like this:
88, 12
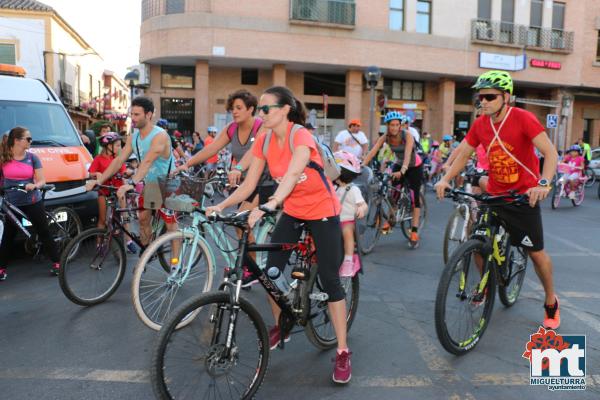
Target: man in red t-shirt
510, 136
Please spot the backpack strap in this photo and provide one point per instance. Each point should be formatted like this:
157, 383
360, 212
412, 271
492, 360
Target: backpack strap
231, 129
267, 141
348, 187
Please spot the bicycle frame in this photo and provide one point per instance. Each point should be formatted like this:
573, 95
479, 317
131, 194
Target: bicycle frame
9, 211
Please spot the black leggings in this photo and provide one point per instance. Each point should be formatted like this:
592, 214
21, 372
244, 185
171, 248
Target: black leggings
327, 235
414, 177
37, 216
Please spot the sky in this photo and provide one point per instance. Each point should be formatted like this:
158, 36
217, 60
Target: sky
111, 27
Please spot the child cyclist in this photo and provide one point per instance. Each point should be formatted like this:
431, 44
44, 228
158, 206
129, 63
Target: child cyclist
110, 144
353, 206
574, 162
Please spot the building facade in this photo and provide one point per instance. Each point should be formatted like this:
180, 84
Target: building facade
429, 51
36, 37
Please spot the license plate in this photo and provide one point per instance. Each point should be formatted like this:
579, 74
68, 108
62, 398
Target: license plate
60, 217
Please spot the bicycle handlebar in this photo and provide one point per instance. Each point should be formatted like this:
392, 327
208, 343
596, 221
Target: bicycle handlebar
515, 198
21, 187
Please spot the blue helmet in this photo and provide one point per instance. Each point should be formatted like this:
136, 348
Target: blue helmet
162, 123
392, 115
576, 148
447, 137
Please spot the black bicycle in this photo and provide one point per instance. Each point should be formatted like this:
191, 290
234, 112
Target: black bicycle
94, 262
64, 223
467, 287
224, 351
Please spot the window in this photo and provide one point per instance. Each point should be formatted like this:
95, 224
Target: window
535, 22
330, 84
175, 6
150, 8
484, 9
177, 77
507, 19
396, 15
334, 111
423, 16
598, 48
403, 90
558, 24
249, 76
8, 53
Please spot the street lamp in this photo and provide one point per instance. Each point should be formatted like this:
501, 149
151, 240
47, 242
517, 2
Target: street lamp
372, 76
133, 77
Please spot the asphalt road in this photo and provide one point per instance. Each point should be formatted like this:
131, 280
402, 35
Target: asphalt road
53, 349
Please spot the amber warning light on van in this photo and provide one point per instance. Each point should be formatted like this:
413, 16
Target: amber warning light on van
71, 157
13, 70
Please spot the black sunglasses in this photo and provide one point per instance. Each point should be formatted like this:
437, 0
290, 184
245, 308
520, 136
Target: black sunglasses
28, 138
488, 97
265, 109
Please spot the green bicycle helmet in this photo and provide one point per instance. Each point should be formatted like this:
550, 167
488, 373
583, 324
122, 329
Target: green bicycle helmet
500, 80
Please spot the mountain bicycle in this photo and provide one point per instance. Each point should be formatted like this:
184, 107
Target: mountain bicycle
224, 350
156, 291
392, 204
63, 222
467, 287
94, 262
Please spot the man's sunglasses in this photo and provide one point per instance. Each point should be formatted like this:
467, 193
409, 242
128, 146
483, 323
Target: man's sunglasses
265, 109
28, 138
488, 97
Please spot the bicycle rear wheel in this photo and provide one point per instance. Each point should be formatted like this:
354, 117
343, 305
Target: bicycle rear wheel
92, 267
319, 328
579, 195
516, 268
193, 362
556, 194
369, 229
155, 292
463, 308
591, 177
456, 232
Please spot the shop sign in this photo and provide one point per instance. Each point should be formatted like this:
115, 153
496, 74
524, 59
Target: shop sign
537, 63
501, 61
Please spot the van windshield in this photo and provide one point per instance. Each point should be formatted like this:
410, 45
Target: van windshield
49, 124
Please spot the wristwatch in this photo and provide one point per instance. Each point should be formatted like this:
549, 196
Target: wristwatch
544, 183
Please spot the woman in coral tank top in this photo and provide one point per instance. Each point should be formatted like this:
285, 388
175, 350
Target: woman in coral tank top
306, 196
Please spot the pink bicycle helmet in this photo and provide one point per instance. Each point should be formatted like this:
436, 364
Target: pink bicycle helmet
347, 161
109, 138
435, 144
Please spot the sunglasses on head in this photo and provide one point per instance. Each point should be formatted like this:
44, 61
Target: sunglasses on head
266, 108
488, 97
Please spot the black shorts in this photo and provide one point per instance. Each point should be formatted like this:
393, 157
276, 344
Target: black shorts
263, 192
414, 178
524, 225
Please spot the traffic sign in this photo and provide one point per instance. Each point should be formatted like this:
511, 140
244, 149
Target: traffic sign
551, 121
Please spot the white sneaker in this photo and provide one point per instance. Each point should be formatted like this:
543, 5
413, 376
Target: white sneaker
572, 195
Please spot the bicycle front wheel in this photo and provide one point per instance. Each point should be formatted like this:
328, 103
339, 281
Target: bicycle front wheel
64, 226
369, 228
406, 224
465, 298
456, 231
156, 292
92, 267
319, 328
509, 291
195, 362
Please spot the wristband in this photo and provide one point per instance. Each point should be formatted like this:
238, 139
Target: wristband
239, 168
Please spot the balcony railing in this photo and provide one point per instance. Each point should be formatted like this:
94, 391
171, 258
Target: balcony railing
335, 12
504, 33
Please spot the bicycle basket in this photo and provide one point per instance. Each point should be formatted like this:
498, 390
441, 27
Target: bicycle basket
182, 193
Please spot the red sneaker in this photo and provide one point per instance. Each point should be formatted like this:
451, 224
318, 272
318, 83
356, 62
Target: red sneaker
275, 337
55, 269
552, 315
3, 274
342, 371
